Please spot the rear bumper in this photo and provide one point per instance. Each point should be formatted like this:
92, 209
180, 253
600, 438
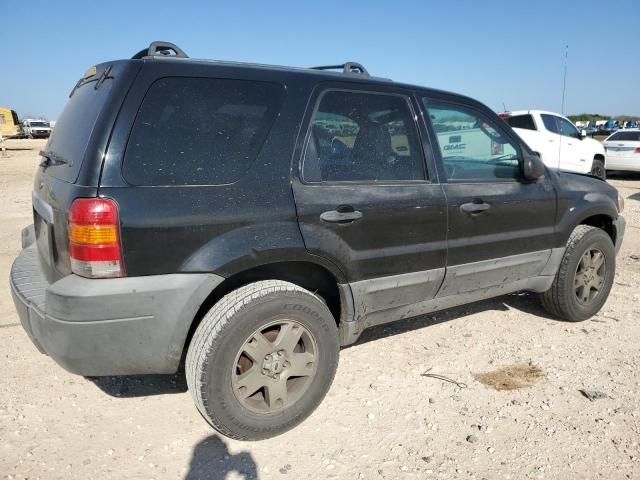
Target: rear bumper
627, 164
118, 326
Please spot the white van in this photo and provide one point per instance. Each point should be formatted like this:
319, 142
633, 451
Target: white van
34, 128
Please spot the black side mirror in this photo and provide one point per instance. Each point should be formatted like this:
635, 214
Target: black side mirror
532, 167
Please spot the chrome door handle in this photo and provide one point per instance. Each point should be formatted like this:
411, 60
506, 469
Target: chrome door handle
474, 208
334, 216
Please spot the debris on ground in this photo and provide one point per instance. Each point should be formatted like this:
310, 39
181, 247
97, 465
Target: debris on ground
472, 439
593, 395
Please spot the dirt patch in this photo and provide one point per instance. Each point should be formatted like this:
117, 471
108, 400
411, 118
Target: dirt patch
511, 378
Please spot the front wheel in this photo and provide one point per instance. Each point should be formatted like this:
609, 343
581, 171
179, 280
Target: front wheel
598, 169
584, 279
262, 359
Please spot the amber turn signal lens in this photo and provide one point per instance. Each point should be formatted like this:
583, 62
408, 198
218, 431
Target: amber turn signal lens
92, 234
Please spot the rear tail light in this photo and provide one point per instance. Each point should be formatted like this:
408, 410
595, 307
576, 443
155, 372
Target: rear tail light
94, 238
638, 150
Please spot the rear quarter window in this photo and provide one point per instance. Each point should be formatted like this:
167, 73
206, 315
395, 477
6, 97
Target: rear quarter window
522, 121
200, 131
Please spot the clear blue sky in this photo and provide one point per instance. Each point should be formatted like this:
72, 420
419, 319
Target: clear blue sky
509, 52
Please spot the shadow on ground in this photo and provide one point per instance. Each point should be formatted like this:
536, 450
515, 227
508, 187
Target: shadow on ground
211, 460
616, 175
524, 302
141, 385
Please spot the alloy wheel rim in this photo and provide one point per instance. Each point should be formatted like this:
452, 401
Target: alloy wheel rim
274, 367
590, 276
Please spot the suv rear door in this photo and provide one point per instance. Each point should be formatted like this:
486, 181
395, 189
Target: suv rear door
196, 166
500, 225
365, 197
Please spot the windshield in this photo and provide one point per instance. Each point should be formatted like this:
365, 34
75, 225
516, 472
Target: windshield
39, 124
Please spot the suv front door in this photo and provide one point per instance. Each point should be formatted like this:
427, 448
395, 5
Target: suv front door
364, 198
501, 225
573, 147
563, 143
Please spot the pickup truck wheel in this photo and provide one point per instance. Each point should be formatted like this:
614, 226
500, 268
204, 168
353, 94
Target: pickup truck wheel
584, 279
262, 359
598, 169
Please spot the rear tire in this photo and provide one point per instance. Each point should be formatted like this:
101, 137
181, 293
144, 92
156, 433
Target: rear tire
585, 276
598, 169
262, 359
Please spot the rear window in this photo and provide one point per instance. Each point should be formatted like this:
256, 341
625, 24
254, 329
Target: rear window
625, 137
74, 127
200, 131
521, 121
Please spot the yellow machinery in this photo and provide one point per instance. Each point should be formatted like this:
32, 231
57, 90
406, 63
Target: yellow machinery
9, 124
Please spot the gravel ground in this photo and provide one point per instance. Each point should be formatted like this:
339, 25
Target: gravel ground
513, 407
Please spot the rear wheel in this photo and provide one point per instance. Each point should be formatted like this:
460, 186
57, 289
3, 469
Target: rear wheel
598, 169
262, 359
584, 279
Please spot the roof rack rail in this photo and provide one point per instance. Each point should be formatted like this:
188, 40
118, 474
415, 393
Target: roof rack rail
349, 68
161, 48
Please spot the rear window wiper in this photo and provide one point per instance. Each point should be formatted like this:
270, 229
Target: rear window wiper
90, 76
52, 159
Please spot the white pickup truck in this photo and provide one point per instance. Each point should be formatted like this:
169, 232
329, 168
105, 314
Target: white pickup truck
558, 141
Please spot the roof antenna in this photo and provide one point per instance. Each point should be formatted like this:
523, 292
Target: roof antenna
564, 86
505, 107
564, 78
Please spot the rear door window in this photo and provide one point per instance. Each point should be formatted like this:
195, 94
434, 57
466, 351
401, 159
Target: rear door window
521, 121
550, 123
200, 131
363, 137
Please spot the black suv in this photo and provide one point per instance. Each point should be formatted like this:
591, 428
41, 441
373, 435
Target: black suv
249, 220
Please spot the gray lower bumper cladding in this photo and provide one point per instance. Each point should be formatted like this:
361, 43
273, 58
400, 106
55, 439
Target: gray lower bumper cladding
117, 326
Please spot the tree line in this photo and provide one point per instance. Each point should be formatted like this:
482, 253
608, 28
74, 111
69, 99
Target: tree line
594, 117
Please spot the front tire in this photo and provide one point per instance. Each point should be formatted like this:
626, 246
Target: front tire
598, 169
262, 359
585, 276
